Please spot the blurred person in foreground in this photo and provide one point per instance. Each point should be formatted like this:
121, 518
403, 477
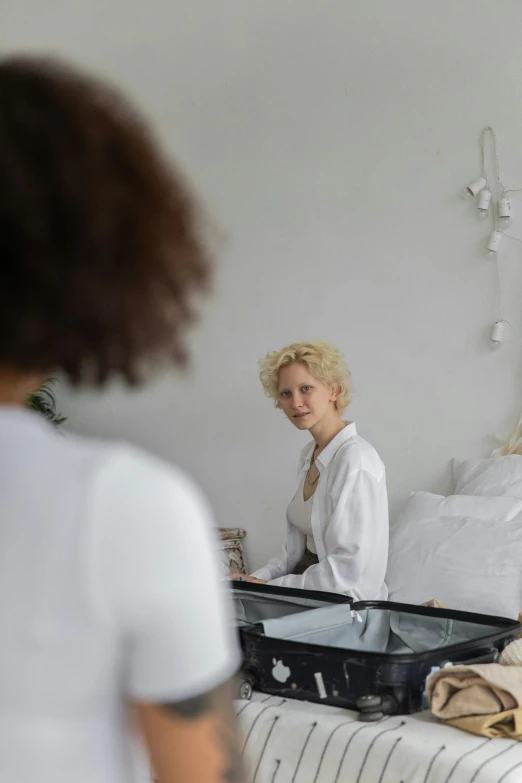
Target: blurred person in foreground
105, 623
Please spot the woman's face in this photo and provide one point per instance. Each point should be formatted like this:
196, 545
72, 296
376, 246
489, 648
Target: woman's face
304, 399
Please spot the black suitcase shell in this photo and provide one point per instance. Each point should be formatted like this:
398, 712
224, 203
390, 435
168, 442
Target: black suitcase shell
271, 601
394, 682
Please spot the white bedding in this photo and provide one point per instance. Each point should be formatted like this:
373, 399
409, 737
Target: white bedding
498, 476
296, 742
463, 550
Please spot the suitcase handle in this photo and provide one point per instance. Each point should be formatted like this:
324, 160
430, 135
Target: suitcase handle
490, 656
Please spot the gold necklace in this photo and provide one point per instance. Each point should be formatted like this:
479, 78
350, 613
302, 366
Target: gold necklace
311, 483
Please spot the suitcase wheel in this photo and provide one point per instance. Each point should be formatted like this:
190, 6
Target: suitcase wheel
245, 690
247, 681
370, 717
373, 708
369, 702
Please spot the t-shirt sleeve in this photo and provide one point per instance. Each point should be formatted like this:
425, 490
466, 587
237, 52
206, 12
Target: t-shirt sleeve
158, 581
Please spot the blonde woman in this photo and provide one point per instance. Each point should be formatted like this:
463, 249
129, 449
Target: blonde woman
337, 521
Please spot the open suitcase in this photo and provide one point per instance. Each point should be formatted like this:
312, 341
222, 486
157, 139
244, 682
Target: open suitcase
257, 603
374, 656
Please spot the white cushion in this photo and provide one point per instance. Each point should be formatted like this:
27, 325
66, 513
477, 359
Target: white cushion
425, 505
473, 563
501, 476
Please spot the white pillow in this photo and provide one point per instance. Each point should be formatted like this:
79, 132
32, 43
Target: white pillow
470, 564
424, 505
493, 476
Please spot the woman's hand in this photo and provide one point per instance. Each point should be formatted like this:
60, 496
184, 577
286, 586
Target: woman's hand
246, 578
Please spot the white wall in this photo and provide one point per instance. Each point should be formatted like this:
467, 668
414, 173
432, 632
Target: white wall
331, 140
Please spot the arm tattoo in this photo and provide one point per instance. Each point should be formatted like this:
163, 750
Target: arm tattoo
190, 708
218, 704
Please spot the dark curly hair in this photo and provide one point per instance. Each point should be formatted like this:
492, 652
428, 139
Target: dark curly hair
102, 246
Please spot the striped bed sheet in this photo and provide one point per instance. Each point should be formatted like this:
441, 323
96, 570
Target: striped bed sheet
287, 741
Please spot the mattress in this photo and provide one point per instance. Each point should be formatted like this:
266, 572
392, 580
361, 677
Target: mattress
287, 741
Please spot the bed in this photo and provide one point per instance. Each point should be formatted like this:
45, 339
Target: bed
297, 742
464, 550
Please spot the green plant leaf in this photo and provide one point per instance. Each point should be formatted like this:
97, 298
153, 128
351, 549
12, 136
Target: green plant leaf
43, 401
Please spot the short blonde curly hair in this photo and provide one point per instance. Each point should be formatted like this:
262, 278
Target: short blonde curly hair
323, 360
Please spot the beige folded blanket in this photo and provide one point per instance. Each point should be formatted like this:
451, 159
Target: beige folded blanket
482, 689
504, 724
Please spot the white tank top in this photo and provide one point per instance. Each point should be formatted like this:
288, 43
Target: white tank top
299, 513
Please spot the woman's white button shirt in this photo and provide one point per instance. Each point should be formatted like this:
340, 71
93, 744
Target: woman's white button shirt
349, 523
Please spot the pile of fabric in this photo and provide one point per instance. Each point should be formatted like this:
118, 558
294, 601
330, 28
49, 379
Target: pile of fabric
483, 699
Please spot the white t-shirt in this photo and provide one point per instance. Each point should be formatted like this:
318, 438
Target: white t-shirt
108, 593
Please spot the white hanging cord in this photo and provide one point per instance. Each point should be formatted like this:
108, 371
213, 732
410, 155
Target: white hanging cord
508, 236
489, 131
485, 131
517, 335
514, 444
498, 297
